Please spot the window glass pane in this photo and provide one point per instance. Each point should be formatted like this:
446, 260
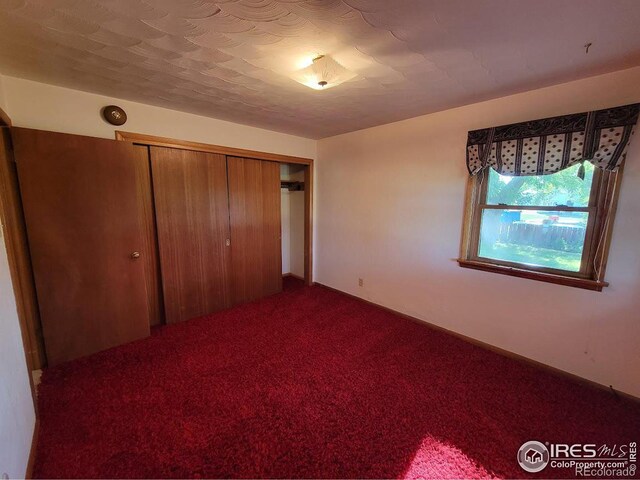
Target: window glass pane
561, 188
533, 237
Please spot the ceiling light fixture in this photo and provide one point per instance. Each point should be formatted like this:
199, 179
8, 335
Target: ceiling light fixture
323, 73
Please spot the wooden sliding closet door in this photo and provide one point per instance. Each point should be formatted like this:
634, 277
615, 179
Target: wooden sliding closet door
85, 225
192, 212
256, 255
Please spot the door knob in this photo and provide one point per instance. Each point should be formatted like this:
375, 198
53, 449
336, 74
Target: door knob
135, 255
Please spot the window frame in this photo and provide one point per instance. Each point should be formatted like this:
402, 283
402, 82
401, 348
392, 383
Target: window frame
602, 205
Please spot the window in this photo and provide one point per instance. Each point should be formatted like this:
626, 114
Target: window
548, 227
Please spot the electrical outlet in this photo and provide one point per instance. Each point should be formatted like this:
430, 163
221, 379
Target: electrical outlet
360, 282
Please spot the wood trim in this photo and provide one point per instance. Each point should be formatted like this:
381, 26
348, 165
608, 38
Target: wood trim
478, 186
150, 140
32, 451
555, 208
467, 216
604, 227
593, 225
143, 139
308, 225
601, 209
19, 256
528, 268
500, 351
5, 121
534, 275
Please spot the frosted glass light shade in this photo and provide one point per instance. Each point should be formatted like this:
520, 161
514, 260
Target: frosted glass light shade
324, 72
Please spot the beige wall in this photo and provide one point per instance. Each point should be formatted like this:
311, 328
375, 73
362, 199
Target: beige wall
389, 204
47, 107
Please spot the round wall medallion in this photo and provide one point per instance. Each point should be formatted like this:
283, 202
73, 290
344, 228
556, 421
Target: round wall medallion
114, 115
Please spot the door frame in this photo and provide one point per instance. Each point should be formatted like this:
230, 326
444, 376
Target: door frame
151, 140
19, 260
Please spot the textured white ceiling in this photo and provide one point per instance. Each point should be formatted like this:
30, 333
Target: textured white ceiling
234, 59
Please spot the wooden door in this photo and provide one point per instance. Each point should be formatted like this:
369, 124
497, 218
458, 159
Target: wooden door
192, 214
256, 255
84, 218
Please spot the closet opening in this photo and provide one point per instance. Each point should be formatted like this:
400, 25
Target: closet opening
296, 174
292, 206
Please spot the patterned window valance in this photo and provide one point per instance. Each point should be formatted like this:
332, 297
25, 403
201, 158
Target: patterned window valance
541, 147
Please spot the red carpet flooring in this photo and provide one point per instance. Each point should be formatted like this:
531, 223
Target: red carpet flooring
310, 383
